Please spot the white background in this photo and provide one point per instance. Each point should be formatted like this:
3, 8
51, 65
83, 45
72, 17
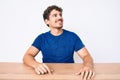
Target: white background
97, 22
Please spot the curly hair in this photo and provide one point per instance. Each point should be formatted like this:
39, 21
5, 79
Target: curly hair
49, 9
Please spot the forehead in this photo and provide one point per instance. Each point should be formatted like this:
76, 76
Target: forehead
54, 11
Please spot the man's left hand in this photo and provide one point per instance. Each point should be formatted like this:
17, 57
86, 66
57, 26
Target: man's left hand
86, 72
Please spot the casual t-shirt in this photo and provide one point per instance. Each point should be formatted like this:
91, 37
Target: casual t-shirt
58, 49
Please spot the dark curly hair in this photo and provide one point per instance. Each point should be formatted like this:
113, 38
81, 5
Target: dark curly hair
49, 9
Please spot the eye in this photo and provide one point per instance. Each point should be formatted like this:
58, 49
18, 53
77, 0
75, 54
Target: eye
54, 15
61, 15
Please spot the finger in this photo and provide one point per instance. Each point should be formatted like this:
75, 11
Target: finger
93, 75
47, 68
82, 75
40, 70
37, 71
90, 75
85, 75
43, 69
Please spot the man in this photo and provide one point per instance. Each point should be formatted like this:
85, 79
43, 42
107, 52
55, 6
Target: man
58, 46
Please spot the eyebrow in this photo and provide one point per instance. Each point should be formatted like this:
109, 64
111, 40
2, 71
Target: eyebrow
56, 13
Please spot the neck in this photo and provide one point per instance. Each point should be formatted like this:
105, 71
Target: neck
56, 32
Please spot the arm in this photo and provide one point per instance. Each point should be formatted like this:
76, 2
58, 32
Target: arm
86, 57
29, 60
87, 71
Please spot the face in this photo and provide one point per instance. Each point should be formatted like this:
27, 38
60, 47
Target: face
55, 19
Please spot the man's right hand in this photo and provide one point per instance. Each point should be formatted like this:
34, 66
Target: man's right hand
42, 69
29, 59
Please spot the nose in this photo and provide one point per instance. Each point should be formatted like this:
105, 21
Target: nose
59, 16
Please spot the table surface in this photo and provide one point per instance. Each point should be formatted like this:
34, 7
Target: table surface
63, 71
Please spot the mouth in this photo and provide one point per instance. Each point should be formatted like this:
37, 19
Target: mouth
59, 21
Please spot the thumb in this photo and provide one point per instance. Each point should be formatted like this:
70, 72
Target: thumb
78, 73
51, 70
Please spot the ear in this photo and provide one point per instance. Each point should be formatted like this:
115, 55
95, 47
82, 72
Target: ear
46, 21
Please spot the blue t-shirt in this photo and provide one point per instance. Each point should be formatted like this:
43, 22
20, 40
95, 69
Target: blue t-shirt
58, 49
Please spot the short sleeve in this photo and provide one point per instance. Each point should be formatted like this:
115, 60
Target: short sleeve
37, 42
78, 44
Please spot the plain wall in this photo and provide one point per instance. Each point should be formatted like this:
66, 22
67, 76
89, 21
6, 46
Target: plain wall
97, 22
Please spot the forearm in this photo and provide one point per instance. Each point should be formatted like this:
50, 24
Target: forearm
88, 61
30, 61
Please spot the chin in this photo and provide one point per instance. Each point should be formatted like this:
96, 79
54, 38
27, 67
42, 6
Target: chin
60, 27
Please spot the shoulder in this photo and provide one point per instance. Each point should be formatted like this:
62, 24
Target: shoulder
71, 33
43, 34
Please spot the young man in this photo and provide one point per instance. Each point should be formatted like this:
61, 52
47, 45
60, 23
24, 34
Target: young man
58, 46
